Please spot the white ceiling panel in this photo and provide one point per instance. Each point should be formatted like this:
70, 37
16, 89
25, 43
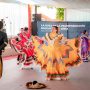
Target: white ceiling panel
57, 3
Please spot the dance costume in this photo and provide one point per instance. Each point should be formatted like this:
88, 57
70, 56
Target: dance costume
84, 47
54, 54
23, 45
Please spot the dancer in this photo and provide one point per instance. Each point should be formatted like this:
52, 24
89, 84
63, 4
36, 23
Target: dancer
3, 44
89, 44
23, 45
84, 46
55, 54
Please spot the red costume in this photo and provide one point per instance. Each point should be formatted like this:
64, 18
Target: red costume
23, 45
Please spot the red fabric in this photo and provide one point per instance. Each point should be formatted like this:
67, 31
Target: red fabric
23, 45
39, 40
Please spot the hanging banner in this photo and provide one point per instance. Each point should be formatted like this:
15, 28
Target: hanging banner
69, 29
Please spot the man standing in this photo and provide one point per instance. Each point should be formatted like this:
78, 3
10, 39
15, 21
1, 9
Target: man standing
3, 44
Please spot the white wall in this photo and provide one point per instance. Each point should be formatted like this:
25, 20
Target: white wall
77, 15
15, 15
50, 12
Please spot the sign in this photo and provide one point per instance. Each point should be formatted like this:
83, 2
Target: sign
69, 29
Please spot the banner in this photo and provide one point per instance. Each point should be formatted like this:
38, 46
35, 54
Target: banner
69, 29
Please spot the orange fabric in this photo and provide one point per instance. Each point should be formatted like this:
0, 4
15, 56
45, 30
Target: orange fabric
56, 56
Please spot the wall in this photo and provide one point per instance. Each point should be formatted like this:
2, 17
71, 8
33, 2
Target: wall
77, 15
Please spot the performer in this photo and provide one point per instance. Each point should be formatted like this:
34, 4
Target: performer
89, 43
3, 44
55, 54
84, 46
23, 36
23, 45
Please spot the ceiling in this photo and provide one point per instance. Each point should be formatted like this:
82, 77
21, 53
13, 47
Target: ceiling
9, 1
57, 3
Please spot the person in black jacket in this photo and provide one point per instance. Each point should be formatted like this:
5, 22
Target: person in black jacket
3, 44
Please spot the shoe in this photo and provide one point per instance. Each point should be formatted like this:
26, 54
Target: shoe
64, 79
57, 78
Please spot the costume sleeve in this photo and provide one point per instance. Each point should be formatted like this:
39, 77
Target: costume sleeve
5, 39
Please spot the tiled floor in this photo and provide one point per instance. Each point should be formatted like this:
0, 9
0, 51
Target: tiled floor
14, 78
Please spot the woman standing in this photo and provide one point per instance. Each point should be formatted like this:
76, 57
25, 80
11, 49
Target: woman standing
23, 45
84, 46
3, 44
55, 54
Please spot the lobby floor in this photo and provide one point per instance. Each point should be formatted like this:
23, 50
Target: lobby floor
14, 78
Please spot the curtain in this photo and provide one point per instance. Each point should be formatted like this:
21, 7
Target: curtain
15, 17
